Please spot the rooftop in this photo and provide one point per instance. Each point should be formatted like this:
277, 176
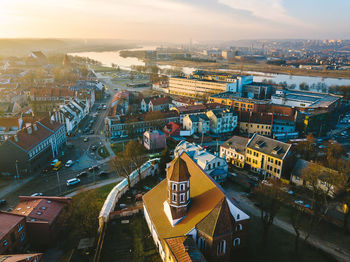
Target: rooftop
269, 146
184, 249
239, 143
7, 222
205, 195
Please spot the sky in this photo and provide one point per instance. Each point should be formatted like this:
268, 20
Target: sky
175, 20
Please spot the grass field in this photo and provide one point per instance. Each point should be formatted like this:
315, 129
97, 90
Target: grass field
103, 152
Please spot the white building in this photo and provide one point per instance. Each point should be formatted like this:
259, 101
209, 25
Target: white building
198, 123
71, 114
213, 165
222, 120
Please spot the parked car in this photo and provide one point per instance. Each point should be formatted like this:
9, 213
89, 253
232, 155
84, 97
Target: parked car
86, 139
3, 202
103, 173
37, 194
73, 181
91, 169
69, 163
91, 132
82, 174
93, 148
53, 162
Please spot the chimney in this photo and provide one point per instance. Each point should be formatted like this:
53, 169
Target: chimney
16, 138
35, 127
29, 130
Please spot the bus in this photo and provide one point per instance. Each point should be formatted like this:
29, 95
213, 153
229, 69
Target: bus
155, 155
57, 166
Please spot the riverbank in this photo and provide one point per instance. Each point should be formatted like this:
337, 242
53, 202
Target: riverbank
260, 67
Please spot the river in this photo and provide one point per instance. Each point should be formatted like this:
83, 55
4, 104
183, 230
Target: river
315, 83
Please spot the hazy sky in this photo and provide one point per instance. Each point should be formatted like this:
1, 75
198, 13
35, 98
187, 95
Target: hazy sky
175, 20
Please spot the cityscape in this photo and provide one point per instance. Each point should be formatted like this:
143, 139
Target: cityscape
174, 131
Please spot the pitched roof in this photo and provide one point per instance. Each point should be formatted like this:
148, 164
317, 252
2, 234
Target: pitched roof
51, 92
218, 221
239, 143
254, 117
160, 101
28, 141
7, 222
302, 164
269, 146
21, 257
205, 194
178, 171
184, 249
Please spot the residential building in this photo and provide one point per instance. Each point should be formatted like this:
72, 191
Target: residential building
233, 150
9, 126
193, 87
283, 124
154, 140
145, 103
159, 104
269, 157
251, 123
189, 203
41, 216
195, 109
97, 86
182, 248
36, 257
122, 125
13, 236
302, 165
184, 101
32, 147
304, 100
213, 165
222, 120
51, 94
71, 114
197, 124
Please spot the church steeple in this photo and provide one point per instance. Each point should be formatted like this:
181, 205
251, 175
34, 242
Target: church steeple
178, 199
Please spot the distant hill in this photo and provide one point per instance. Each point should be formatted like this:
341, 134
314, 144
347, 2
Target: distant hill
21, 47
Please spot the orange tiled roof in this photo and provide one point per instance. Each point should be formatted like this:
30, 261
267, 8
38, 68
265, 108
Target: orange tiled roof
184, 249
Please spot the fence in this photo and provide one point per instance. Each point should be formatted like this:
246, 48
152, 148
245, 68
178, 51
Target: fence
148, 168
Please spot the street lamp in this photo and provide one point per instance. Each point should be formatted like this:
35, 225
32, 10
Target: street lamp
58, 181
16, 163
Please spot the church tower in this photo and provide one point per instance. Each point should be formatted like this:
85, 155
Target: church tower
178, 199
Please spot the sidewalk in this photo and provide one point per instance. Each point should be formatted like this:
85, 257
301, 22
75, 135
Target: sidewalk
13, 186
96, 185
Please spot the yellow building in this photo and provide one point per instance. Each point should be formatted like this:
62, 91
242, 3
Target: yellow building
251, 123
268, 157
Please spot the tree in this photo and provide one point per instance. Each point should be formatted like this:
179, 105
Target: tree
164, 159
270, 197
306, 149
136, 153
122, 165
300, 221
322, 183
343, 195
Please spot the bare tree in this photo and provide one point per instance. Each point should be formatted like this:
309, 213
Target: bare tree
136, 153
122, 165
270, 197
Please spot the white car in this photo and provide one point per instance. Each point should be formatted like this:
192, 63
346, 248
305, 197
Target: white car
69, 163
37, 194
73, 181
53, 162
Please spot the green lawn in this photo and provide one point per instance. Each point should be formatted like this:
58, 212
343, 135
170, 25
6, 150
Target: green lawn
117, 147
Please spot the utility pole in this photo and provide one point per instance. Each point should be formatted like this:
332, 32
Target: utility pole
16, 163
58, 181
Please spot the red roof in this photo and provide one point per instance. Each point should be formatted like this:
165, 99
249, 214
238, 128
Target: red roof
45, 209
51, 92
27, 141
171, 129
257, 118
7, 222
160, 101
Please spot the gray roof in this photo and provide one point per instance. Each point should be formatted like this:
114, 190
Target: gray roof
302, 164
197, 118
269, 146
238, 143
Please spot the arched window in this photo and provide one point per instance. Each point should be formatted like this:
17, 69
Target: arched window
221, 248
236, 242
239, 227
202, 244
238, 216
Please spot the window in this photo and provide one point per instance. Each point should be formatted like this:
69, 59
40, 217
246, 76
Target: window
221, 248
239, 227
182, 198
236, 242
202, 244
174, 197
5, 243
173, 186
182, 187
22, 237
19, 227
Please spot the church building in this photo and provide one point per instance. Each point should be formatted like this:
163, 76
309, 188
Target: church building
190, 216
